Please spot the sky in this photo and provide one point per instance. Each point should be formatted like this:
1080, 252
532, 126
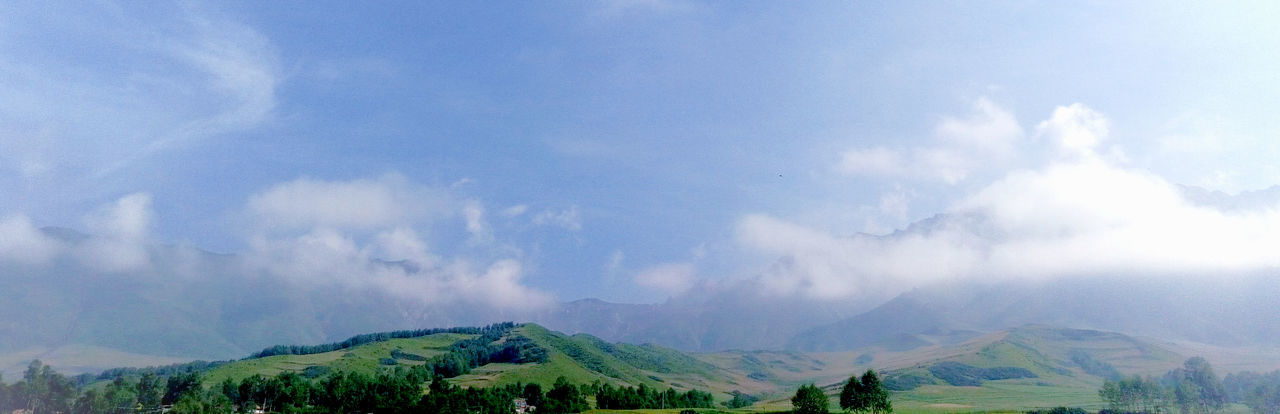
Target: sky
635, 150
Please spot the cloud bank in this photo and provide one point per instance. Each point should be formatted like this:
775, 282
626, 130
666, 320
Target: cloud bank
1082, 212
360, 236
366, 233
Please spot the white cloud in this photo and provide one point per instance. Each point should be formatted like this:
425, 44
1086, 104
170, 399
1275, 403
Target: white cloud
514, 211
567, 218
872, 161
403, 243
986, 138
128, 218
122, 231
327, 258
990, 129
314, 232
361, 204
670, 278
473, 213
1081, 214
1076, 130
22, 242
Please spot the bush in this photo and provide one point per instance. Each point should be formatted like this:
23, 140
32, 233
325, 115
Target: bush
906, 382
962, 375
1059, 410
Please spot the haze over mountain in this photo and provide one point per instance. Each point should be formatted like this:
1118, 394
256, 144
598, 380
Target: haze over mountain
201, 180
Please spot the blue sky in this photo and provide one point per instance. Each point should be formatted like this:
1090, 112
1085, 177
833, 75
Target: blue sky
627, 150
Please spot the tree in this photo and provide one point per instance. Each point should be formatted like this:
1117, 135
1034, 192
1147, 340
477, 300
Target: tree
1197, 389
46, 390
180, 384
810, 399
875, 398
149, 392
121, 396
851, 398
533, 394
564, 398
1135, 394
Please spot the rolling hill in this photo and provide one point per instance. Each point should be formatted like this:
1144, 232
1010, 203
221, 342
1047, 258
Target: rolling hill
1027, 367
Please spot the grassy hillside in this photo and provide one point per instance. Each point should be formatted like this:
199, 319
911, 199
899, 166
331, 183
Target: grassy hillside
366, 359
1018, 369
586, 359
580, 358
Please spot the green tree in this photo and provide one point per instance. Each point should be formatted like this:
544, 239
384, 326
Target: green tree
121, 396
1197, 389
180, 384
564, 398
851, 397
810, 399
533, 394
149, 392
46, 390
91, 402
875, 398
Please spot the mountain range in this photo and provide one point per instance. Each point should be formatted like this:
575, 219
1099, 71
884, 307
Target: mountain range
193, 304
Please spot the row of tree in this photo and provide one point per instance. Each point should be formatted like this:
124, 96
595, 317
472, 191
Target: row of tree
497, 329
395, 390
1193, 388
865, 394
1260, 392
631, 398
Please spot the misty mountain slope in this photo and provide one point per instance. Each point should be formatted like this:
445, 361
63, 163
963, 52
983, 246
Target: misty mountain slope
898, 317
1232, 311
733, 318
1029, 366
188, 303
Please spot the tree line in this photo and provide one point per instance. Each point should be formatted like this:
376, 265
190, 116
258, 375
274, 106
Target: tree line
1260, 392
641, 397
498, 328
1193, 388
401, 390
397, 390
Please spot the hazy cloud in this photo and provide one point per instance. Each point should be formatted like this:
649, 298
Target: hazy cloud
473, 212
22, 242
362, 204
122, 232
514, 211
670, 278
313, 233
568, 218
1080, 214
173, 77
987, 137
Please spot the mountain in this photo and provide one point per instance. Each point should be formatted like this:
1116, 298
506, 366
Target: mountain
736, 317
901, 321
1226, 312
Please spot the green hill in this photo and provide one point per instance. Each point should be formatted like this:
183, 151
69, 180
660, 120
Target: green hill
581, 358
1028, 367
